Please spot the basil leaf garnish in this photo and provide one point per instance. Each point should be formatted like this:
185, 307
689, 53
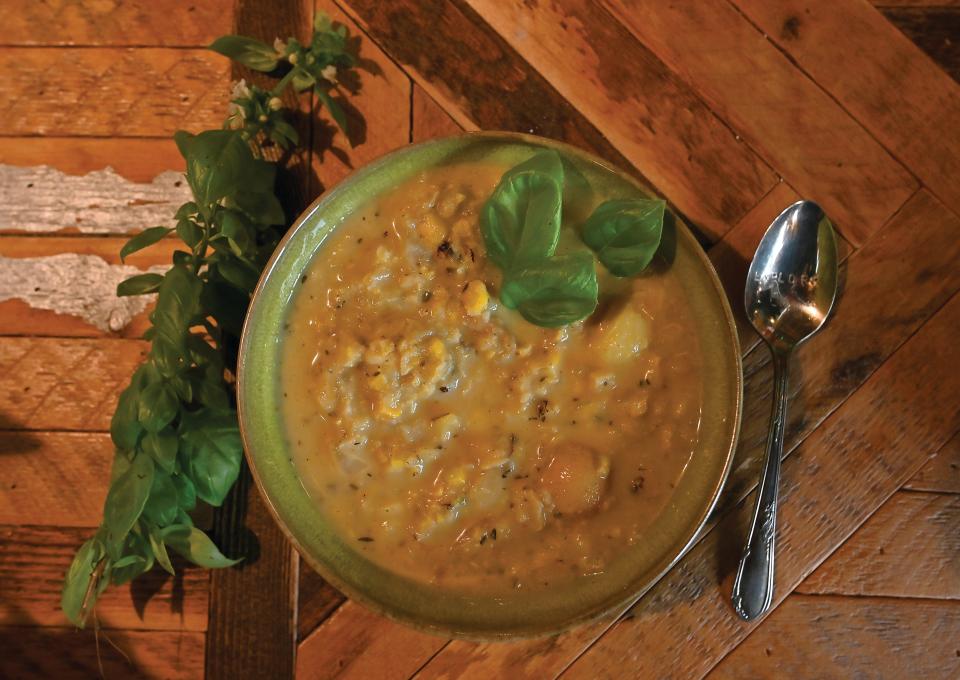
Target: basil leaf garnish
625, 234
520, 222
553, 292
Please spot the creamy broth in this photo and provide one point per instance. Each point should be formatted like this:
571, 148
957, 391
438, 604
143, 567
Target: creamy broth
455, 443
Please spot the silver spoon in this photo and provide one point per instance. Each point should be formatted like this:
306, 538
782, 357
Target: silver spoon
790, 291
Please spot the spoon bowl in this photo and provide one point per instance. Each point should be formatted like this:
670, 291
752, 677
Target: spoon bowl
792, 281
791, 288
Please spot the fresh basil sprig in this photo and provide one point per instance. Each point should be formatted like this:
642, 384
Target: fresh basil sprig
317, 66
175, 426
521, 223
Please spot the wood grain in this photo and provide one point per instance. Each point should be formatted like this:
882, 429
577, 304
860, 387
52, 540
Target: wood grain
934, 30
357, 643
884, 4
139, 23
253, 617
540, 658
832, 637
63, 384
378, 112
648, 113
429, 118
898, 94
836, 479
817, 147
39, 466
317, 599
136, 160
112, 92
34, 559
909, 548
473, 73
942, 472
67, 653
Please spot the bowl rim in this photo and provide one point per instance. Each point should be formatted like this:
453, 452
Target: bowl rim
631, 595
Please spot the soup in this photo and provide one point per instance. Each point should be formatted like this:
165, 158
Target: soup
455, 443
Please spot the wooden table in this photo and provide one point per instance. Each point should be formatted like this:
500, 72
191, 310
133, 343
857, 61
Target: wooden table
730, 108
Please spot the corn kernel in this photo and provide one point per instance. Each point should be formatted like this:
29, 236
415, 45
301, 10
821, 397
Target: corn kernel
431, 230
457, 478
388, 411
475, 298
436, 348
378, 382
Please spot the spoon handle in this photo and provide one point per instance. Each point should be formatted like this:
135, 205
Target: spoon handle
753, 586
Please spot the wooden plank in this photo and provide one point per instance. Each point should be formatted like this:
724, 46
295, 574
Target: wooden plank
817, 147
941, 473
253, 607
909, 548
41, 199
934, 30
883, 4
645, 110
357, 643
136, 160
111, 92
60, 286
429, 118
838, 477
538, 658
317, 600
481, 81
821, 381
33, 560
378, 112
67, 653
139, 23
39, 467
834, 637
63, 384
898, 94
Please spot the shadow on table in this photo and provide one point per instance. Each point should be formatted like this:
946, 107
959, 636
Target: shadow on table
15, 439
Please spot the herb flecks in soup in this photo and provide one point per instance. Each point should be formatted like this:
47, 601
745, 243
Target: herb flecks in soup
456, 443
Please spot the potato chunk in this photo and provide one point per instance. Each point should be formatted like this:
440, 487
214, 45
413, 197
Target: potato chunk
623, 337
575, 478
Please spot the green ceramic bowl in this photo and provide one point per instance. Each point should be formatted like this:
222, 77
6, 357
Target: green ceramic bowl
525, 614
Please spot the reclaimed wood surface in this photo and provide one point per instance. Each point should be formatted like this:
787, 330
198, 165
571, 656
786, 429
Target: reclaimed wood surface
730, 109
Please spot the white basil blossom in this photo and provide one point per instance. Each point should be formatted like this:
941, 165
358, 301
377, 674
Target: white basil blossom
329, 73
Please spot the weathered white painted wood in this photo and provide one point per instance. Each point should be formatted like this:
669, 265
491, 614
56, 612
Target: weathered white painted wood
43, 199
79, 285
